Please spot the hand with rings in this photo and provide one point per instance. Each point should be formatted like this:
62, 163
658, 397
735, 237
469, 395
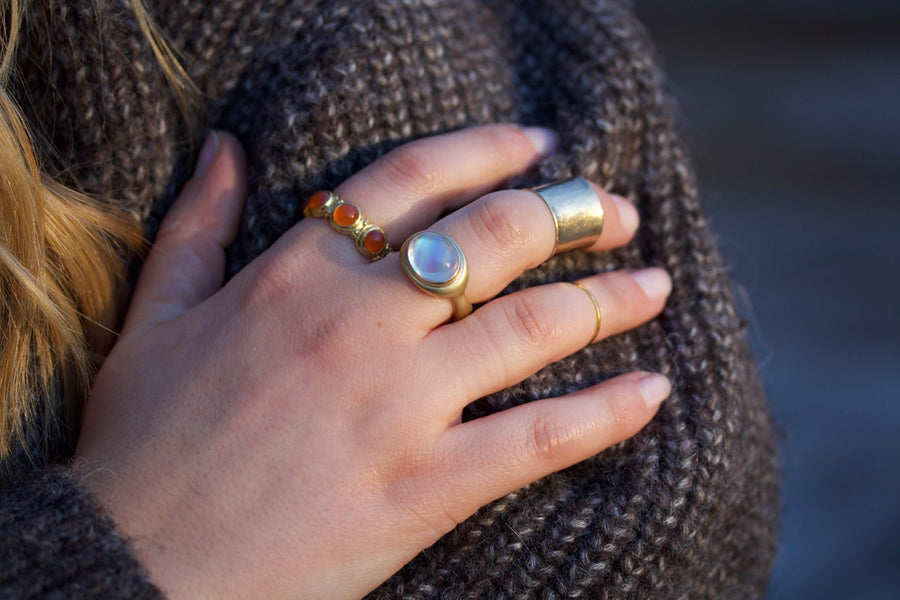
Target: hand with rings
297, 432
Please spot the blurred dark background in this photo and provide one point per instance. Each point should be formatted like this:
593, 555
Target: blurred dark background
792, 112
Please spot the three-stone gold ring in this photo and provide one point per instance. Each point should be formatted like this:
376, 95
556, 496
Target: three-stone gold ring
345, 217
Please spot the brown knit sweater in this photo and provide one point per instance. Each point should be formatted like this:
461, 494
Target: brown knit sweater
315, 90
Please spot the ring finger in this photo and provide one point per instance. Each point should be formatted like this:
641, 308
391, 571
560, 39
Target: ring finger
512, 337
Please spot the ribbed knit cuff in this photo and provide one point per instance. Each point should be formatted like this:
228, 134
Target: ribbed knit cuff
55, 542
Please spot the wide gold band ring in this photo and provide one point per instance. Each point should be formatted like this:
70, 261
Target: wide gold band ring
346, 218
577, 213
435, 264
597, 311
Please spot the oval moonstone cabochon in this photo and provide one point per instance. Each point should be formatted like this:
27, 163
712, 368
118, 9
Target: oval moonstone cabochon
433, 257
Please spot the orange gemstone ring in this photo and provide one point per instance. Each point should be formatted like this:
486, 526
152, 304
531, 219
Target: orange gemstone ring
346, 218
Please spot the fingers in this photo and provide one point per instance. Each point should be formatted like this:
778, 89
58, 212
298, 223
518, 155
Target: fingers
410, 187
502, 234
505, 233
512, 337
490, 457
620, 221
187, 262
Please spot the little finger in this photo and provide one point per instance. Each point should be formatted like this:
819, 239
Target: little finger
490, 457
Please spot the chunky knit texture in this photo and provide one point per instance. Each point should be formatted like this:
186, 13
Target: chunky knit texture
55, 543
316, 90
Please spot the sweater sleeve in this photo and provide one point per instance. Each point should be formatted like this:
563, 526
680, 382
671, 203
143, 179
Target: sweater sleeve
55, 542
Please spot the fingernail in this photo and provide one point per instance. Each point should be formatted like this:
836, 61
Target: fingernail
207, 154
654, 389
628, 214
544, 140
655, 282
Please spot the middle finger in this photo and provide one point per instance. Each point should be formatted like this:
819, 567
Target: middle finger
505, 233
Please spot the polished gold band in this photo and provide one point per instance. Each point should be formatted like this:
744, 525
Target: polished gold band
597, 310
577, 213
346, 217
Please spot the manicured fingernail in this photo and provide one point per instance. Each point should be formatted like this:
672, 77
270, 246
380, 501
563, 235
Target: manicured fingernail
207, 154
628, 214
544, 140
655, 282
654, 389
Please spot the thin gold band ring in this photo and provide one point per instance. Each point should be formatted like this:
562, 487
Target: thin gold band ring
597, 311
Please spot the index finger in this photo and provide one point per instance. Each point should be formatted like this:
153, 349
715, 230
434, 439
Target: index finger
410, 187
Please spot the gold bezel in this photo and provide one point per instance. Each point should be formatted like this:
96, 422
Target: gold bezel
455, 286
351, 230
360, 240
325, 210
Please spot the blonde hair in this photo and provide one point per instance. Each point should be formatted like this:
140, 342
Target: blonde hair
61, 267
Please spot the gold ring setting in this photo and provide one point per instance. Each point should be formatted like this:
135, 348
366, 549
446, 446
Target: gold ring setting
435, 264
346, 218
577, 213
597, 311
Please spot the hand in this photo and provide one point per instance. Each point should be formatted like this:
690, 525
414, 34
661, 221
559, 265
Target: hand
297, 432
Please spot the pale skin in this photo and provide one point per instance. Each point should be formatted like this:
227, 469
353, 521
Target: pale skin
297, 432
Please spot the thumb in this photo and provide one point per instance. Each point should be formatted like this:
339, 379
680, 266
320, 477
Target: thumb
186, 264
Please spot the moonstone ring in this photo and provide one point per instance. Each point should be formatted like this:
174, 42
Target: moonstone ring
437, 266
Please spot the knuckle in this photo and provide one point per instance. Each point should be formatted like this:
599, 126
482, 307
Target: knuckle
490, 355
175, 234
271, 292
627, 296
412, 167
548, 438
495, 226
170, 234
191, 246
418, 494
532, 322
268, 283
619, 413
